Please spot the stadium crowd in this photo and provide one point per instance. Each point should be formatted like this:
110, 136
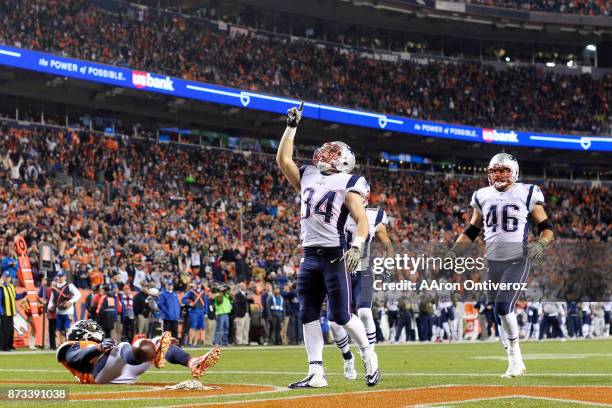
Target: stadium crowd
585, 7
519, 97
138, 221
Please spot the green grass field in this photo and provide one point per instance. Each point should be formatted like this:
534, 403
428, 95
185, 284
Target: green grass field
574, 363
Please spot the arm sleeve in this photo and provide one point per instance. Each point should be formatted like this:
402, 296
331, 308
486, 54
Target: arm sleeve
78, 356
21, 295
358, 184
186, 298
304, 170
475, 202
381, 218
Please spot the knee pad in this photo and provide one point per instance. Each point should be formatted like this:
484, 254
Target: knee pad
309, 314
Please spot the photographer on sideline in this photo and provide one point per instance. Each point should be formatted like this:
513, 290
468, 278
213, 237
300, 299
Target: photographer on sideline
223, 308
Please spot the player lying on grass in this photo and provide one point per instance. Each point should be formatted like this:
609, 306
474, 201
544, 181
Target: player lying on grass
95, 360
507, 208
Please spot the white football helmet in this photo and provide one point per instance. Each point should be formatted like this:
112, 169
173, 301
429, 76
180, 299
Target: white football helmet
334, 156
498, 178
85, 330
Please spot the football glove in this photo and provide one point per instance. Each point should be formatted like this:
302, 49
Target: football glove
453, 252
352, 257
294, 115
106, 345
537, 251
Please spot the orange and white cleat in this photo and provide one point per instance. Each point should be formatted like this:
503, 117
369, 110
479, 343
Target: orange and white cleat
199, 365
162, 347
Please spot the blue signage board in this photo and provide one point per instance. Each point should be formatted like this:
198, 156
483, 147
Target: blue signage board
151, 82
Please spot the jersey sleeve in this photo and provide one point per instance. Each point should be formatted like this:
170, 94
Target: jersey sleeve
305, 170
381, 218
358, 184
534, 197
475, 202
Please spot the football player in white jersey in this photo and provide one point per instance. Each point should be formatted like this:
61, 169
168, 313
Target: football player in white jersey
533, 320
362, 284
587, 328
330, 193
444, 303
607, 307
507, 209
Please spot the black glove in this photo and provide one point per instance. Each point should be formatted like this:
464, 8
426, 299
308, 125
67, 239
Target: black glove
294, 115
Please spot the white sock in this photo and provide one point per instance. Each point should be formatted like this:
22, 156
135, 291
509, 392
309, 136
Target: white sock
504, 339
365, 314
607, 331
510, 326
313, 339
355, 329
585, 330
341, 337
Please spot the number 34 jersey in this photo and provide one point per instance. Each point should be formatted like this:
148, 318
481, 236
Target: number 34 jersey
507, 218
324, 213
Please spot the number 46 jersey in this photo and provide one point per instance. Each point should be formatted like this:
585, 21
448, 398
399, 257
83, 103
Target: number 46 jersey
324, 213
507, 218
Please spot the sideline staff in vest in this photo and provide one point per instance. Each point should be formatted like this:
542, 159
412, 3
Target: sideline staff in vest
8, 309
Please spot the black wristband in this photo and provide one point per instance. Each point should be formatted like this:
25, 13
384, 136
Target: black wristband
546, 224
471, 232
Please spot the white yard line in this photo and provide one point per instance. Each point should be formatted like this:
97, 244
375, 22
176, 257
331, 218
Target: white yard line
450, 403
298, 373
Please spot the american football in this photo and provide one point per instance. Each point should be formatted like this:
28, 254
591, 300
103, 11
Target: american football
305, 203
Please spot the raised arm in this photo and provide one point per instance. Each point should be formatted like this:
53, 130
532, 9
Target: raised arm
284, 154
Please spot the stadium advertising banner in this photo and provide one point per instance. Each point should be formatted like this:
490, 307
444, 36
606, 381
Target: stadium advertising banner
146, 81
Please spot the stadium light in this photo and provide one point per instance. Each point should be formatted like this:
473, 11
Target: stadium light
550, 64
570, 63
507, 59
591, 47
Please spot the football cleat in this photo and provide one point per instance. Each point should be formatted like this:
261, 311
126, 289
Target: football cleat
314, 380
199, 365
516, 368
162, 348
370, 363
349, 369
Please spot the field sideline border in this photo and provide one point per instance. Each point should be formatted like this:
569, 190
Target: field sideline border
289, 347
